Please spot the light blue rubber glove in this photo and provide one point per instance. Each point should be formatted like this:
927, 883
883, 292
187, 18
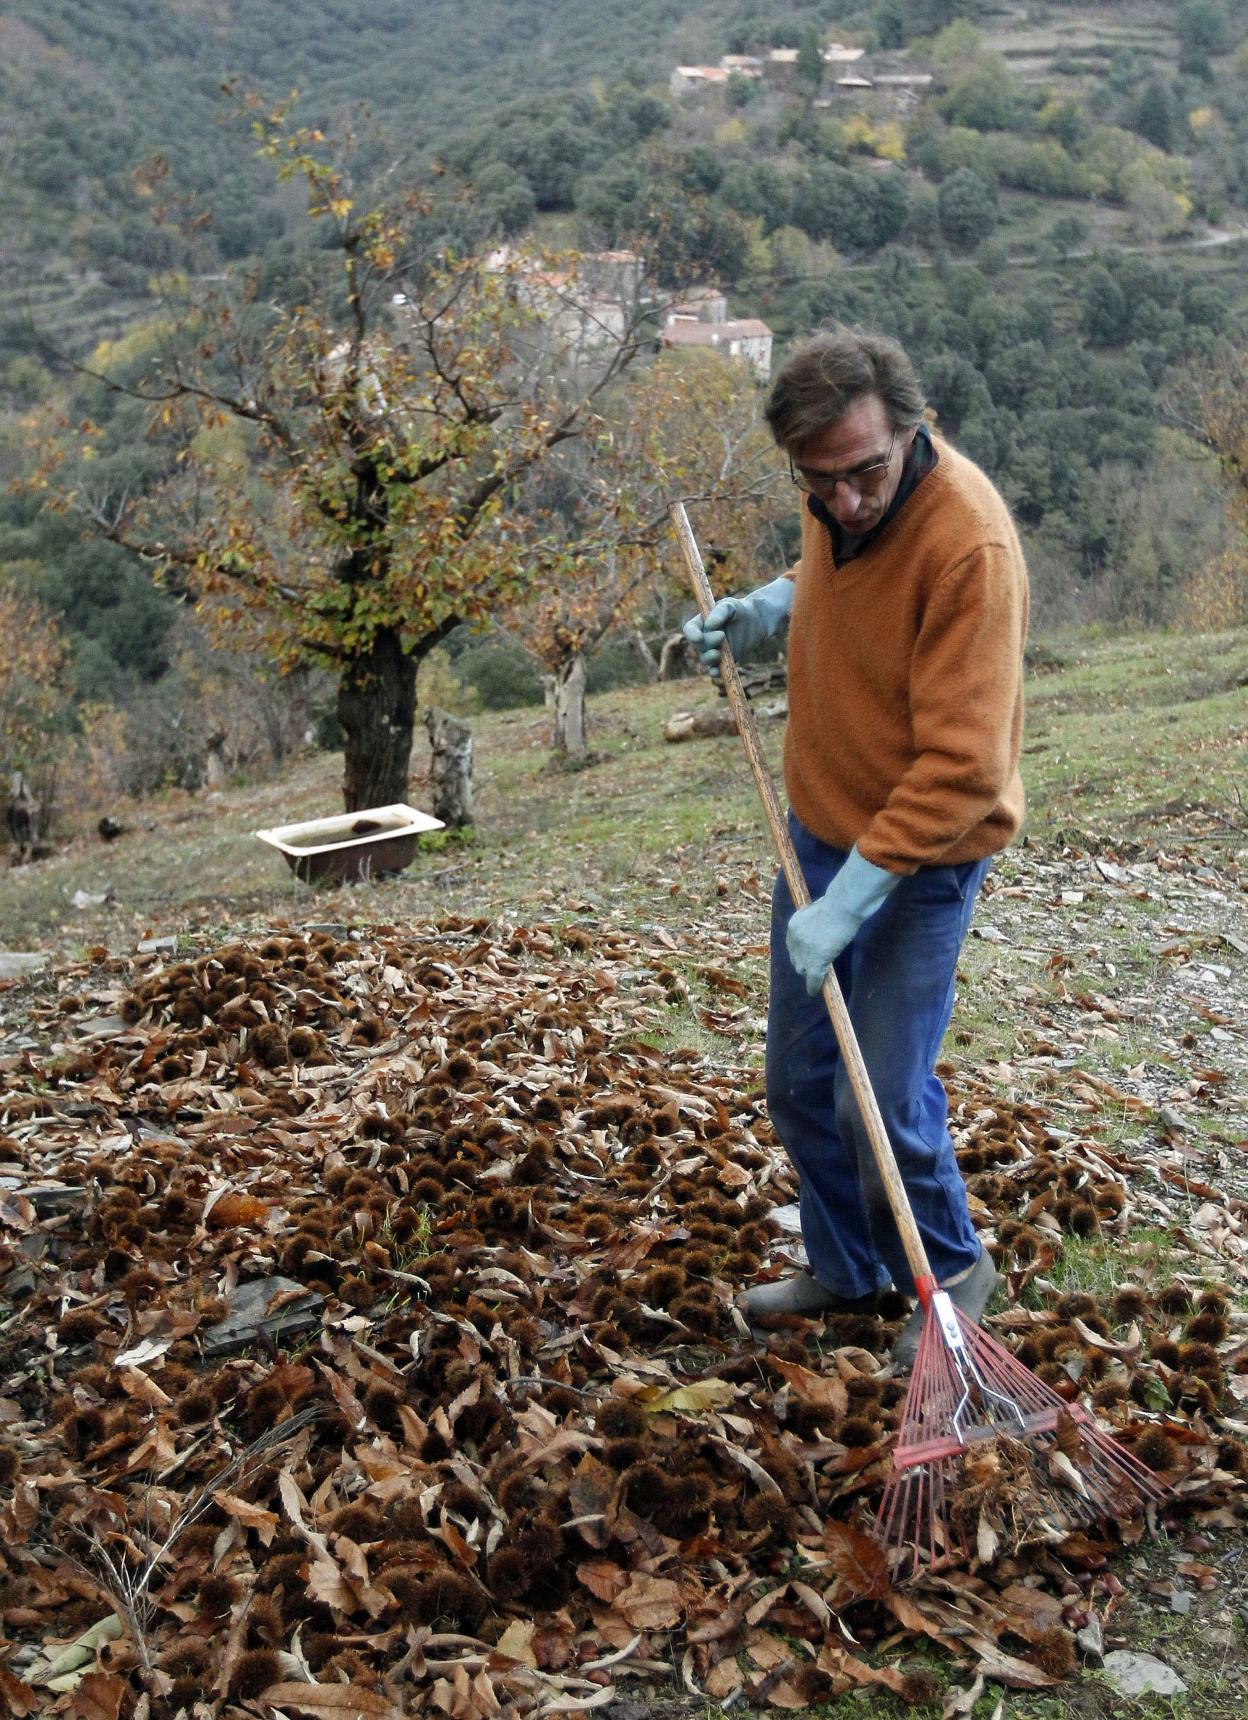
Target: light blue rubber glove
817, 934
744, 621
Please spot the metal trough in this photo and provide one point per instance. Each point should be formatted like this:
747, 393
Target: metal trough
353, 846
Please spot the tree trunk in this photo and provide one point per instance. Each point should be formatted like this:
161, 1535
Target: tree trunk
675, 658
649, 662
377, 710
568, 738
451, 768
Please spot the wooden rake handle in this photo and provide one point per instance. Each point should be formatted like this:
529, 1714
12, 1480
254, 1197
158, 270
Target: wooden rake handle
842, 1026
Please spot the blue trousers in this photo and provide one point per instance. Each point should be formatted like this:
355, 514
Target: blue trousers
898, 980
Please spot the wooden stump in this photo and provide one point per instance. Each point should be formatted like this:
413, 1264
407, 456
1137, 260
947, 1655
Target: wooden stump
450, 769
696, 725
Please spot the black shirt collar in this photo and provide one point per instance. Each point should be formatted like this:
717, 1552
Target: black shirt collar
920, 460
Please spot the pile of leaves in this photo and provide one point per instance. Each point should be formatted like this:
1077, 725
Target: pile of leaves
527, 1449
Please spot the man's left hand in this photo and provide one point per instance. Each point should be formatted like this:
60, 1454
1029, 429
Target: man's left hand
817, 934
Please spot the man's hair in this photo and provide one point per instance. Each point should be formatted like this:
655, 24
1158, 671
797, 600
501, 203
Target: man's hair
823, 377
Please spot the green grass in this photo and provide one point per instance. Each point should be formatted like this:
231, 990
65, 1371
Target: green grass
1118, 732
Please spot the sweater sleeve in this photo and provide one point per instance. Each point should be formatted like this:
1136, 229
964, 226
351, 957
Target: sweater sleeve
965, 712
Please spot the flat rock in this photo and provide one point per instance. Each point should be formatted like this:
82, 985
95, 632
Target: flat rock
1141, 1675
277, 1307
16, 964
100, 1026
44, 1197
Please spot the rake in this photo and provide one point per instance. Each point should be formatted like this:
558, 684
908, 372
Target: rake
987, 1455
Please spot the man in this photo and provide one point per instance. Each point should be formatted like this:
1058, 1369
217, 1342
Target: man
906, 615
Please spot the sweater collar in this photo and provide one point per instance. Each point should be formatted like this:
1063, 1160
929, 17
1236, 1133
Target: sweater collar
920, 460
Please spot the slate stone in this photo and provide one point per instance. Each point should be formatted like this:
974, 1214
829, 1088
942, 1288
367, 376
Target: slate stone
1141, 1675
16, 964
251, 1314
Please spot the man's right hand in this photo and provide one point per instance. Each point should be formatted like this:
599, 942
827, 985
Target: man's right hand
744, 621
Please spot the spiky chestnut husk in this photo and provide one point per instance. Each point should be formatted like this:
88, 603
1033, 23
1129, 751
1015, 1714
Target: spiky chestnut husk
82, 1430
1054, 1652
542, 1544
349, 1666
559, 1400
689, 1497
265, 1626
1055, 1339
1209, 1326
699, 1317
644, 1488
381, 1404
194, 1406
1110, 1393
187, 1657
1156, 1450
764, 1512
80, 1325
660, 1287
458, 1497
856, 1432
357, 1521
621, 1454
1030, 1351
1194, 1395
447, 1598
509, 1575
217, 1593
434, 1447
620, 1418
265, 1404
1175, 1299
863, 1391
786, 1472
804, 1420
922, 1688
10, 1465
1130, 1303
815, 1687
1200, 1358
1232, 1456
283, 1571
254, 1671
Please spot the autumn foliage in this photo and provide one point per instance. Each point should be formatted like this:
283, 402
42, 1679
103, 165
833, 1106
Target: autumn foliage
333, 465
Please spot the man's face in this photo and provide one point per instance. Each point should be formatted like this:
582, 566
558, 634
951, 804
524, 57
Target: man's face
836, 465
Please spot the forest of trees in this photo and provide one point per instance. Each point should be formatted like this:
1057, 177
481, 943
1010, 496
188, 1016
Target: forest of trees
1024, 237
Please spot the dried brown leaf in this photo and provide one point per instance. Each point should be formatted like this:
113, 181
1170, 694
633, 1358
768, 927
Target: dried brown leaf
823, 1391
98, 1696
650, 1603
333, 1701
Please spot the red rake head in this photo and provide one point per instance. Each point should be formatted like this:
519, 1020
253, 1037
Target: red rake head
989, 1456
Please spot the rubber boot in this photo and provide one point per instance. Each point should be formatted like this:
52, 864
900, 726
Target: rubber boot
803, 1294
970, 1292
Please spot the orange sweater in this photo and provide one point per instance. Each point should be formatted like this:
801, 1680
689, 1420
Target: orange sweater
906, 679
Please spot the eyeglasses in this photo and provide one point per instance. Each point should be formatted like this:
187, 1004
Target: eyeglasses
862, 478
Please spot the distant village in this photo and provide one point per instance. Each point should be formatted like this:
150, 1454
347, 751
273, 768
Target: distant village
583, 310
848, 70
